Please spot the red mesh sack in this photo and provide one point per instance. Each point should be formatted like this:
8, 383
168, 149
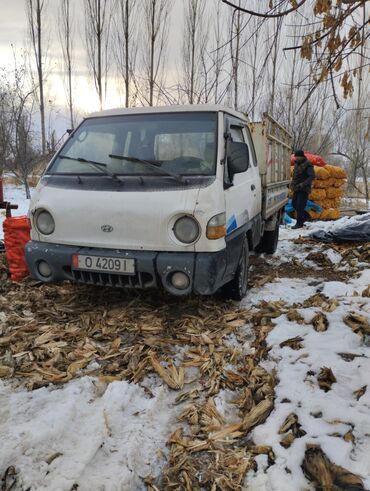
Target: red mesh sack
314, 159
16, 236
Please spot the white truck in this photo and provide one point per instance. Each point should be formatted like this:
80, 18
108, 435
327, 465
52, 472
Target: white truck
167, 197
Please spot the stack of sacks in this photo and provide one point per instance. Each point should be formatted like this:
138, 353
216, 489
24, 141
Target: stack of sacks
327, 191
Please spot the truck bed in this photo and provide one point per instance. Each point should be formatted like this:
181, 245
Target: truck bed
273, 145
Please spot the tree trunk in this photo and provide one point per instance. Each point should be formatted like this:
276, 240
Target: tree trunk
127, 62
99, 40
26, 187
152, 46
40, 77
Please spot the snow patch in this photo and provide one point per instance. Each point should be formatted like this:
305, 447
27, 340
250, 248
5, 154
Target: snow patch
100, 437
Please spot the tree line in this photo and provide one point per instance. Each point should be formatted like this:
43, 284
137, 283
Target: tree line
305, 62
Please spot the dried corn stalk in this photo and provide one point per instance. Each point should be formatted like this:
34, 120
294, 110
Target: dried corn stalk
326, 378
171, 375
358, 323
293, 343
320, 322
328, 476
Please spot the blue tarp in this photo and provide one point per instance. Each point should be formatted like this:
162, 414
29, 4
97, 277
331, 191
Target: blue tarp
311, 206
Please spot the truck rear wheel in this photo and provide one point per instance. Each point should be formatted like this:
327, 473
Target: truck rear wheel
236, 289
269, 241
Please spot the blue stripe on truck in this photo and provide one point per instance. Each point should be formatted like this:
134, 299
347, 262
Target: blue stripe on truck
231, 225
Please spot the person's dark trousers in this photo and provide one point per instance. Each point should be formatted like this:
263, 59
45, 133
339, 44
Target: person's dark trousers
299, 202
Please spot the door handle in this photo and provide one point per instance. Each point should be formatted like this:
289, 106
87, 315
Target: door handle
253, 187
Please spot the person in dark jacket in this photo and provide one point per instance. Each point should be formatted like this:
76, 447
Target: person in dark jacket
303, 175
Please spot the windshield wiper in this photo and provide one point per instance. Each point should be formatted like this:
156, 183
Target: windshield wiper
155, 164
98, 165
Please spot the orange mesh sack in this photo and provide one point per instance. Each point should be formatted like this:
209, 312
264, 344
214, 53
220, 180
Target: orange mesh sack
339, 183
317, 194
16, 236
329, 203
321, 173
334, 193
315, 215
336, 172
325, 183
330, 214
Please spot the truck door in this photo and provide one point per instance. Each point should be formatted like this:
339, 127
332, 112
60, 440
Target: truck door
243, 197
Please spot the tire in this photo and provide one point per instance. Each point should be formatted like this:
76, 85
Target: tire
236, 289
269, 241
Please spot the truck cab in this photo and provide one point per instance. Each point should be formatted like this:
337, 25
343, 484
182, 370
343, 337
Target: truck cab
166, 197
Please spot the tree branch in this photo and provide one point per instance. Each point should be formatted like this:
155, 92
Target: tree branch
265, 16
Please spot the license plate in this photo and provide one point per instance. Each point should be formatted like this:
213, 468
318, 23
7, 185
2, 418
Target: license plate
103, 264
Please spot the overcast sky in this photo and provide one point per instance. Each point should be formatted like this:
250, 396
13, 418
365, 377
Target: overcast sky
13, 35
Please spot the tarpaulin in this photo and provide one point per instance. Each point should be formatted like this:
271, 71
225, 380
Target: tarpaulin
354, 229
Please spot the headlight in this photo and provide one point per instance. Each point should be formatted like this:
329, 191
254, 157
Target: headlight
45, 222
186, 229
216, 227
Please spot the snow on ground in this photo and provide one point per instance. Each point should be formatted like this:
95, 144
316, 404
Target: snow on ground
99, 437
16, 195
325, 416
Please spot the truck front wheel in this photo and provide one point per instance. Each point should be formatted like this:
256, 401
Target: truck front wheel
236, 289
269, 241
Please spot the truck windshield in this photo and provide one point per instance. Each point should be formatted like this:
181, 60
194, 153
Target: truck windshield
181, 143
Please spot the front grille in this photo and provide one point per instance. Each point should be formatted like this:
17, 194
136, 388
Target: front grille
139, 280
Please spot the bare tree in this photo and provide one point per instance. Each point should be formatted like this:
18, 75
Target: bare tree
218, 55
5, 119
236, 30
193, 49
66, 32
16, 137
97, 32
125, 47
257, 56
333, 42
35, 17
274, 61
156, 14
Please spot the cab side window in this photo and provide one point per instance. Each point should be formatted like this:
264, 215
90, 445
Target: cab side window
236, 133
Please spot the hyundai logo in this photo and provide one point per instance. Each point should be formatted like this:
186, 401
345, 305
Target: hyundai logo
107, 228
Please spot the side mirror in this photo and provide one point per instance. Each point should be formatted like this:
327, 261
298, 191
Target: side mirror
238, 158
69, 131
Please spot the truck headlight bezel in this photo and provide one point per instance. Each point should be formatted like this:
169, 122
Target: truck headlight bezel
186, 229
44, 222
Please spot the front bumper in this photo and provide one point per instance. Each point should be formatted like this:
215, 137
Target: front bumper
152, 269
